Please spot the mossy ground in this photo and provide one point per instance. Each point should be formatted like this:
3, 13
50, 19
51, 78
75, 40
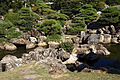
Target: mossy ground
42, 74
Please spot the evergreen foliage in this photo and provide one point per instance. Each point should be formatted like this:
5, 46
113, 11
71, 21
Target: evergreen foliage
61, 18
50, 27
88, 13
110, 16
27, 19
8, 31
54, 37
68, 46
78, 25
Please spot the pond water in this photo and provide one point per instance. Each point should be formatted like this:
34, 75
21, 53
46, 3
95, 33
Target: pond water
112, 60
21, 49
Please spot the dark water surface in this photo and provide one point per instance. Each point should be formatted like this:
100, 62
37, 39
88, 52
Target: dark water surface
21, 49
112, 60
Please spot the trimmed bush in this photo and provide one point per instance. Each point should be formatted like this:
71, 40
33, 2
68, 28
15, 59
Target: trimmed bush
56, 38
67, 46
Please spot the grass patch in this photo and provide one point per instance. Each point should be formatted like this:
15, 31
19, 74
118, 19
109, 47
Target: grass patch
44, 75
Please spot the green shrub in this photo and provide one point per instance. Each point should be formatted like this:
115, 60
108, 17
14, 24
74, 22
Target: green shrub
68, 46
50, 27
12, 17
56, 38
8, 31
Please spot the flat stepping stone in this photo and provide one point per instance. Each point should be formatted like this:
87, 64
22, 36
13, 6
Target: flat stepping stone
34, 76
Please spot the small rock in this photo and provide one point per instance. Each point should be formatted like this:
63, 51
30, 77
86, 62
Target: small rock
42, 44
33, 39
2, 46
30, 46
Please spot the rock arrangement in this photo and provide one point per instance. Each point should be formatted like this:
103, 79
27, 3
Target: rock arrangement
50, 59
55, 59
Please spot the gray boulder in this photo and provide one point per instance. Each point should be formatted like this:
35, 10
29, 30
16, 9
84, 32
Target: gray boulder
53, 65
11, 62
93, 38
107, 38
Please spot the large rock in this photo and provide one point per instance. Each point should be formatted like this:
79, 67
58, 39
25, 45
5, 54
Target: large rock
53, 44
42, 53
10, 47
41, 38
11, 62
76, 40
93, 38
42, 44
113, 29
25, 36
107, 38
33, 39
114, 39
82, 34
19, 41
26, 58
92, 31
107, 29
53, 65
101, 38
73, 58
100, 31
30, 46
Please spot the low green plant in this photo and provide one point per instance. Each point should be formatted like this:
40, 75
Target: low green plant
56, 38
68, 46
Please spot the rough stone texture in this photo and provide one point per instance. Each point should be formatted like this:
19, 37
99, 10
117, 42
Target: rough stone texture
42, 53
25, 36
76, 40
33, 39
113, 29
114, 39
92, 31
107, 38
26, 58
2, 46
30, 46
10, 46
93, 38
11, 62
73, 58
107, 29
97, 48
101, 38
42, 44
100, 31
19, 41
53, 65
41, 38
53, 44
